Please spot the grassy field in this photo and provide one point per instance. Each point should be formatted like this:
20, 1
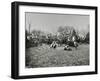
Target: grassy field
44, 56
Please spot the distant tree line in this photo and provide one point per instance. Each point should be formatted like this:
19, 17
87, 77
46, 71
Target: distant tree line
63, 35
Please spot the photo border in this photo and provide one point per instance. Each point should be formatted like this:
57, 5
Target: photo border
15, 39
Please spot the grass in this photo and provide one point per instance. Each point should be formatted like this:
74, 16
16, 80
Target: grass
44, 56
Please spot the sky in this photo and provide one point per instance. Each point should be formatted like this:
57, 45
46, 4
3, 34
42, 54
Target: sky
51, 22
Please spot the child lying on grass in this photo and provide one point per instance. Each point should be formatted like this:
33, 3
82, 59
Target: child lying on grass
67, 48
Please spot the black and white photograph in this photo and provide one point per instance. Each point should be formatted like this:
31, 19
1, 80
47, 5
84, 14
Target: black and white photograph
50, 40
56, 40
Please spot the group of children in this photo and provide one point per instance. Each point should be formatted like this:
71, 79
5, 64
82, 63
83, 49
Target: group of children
66, 47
